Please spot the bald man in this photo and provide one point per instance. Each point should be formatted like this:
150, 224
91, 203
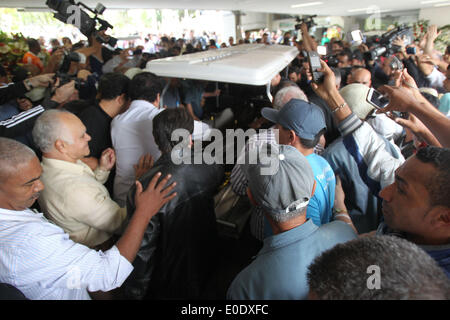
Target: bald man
75, 197
361, 75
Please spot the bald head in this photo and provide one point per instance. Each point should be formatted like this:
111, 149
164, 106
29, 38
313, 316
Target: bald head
361, 75
13, 155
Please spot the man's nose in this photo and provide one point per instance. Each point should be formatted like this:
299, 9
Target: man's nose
386, 193
39, 186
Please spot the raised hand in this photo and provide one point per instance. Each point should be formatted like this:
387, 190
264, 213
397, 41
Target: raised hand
107, 159
155, 196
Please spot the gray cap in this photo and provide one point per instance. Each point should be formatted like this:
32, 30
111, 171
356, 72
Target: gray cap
286, 190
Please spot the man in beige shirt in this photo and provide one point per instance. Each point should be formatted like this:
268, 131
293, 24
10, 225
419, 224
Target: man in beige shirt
75, 197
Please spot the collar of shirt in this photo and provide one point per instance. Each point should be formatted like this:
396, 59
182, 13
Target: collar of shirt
285, 238
25, 215
137, 104
77, 168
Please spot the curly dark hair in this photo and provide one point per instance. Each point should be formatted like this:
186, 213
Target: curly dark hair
439, 184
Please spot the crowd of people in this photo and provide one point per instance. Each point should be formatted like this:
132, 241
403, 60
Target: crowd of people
94, 203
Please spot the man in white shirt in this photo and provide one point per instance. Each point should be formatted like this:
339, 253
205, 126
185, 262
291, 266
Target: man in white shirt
38, 258
131, 131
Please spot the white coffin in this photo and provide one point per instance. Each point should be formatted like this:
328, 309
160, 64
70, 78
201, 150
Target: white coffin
251, 64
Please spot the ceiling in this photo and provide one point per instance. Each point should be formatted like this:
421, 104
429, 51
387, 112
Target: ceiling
325, 7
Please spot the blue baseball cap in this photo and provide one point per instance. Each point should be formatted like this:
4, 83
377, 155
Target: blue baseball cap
306, 119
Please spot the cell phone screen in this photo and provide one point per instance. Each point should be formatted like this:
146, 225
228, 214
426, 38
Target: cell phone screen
378, 99
315, 62
356, 35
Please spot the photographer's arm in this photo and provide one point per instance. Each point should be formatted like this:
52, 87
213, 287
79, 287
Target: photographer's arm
307, 40
409, 99
53, 63
61, 95
432, 34
360, 140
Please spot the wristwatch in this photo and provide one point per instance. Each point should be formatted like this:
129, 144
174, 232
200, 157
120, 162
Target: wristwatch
28, 84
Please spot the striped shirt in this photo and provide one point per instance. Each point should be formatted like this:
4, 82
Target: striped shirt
40, 260
21, 117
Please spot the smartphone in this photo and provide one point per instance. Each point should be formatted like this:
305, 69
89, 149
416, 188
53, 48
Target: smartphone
322, 50
356, 35
411, 50
376, 99
314, 64
396, 64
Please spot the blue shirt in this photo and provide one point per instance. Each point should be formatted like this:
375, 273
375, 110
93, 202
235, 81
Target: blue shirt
320, 208
193, 92
441, 254
279, 270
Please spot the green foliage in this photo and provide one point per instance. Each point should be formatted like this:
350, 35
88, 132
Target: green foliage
12, 49
443, 40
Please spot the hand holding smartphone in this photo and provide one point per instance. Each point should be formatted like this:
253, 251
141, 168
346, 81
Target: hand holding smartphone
376, 99
314, 65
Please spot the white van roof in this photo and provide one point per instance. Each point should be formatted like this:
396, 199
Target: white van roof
251, 64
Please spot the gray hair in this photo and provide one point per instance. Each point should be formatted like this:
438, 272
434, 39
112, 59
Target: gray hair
49, 128
284, 95
284, 217
12, 155
406, 271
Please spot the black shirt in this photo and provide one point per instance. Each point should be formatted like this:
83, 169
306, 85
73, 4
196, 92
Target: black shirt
98, 126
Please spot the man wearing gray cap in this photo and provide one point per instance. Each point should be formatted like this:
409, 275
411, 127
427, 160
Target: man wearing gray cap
300, 124
279, 269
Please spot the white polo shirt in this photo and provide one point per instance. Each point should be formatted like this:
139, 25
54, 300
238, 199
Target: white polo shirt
132, 136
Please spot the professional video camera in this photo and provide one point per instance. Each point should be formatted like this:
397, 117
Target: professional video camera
65, 78
384, 45
331, 60
87, 25
308, 21
70, 57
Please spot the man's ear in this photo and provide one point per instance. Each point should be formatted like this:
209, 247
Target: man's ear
120, 99
157, 101
60, 146
441, 216
292, 137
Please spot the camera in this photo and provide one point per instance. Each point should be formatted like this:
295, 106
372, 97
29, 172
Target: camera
308, 21
65, 78
384, 45
87, 25
70, 57
331, 60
